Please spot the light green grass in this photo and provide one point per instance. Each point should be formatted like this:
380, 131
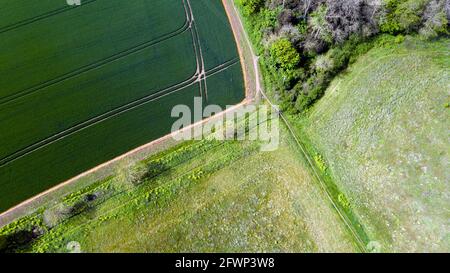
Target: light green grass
383, 133
206, 196
261, 202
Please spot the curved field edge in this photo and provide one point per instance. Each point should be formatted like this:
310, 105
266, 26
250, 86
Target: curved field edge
379, 135
347, 216
320, 163
7, 173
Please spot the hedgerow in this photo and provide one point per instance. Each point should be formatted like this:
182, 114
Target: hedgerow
304, 44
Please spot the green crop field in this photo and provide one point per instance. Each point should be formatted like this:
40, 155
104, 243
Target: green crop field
382, 133
82, 85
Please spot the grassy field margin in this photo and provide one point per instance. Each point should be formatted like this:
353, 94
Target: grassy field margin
106, 169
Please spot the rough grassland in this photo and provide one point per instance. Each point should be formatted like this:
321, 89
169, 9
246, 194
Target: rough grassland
83, 85
382, 129
205, 196
262, 202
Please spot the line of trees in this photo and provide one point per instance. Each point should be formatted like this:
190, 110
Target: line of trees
305, 43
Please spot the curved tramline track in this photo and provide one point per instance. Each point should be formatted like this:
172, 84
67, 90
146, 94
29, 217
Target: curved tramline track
55, 154
115, 112
199, 53
199, 76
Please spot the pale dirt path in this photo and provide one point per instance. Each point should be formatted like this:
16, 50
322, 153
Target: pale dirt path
105, 169
238, 26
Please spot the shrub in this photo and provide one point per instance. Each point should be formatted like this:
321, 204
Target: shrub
323, 63
343, 201
284, 55
311, 91
303, 27
320, 162
349, 51
385, 40
55, 215
129, 175
402, 16
436, 21
319, 25
291, 33
252, 6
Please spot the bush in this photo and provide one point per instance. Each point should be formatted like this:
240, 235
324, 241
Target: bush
436, 22
310, 91
402, 16
319, 25
291, 33
252, 6
323, 63
129, 175
320, 162
56, 215
344, 201
284, 55
349, 51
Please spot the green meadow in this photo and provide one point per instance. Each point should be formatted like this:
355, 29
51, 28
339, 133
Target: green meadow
206, 195
382, 136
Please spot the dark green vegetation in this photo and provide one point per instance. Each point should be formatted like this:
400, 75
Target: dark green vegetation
208, 195
305, 44
82, 85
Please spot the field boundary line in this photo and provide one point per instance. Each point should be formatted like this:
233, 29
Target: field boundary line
109, 114
236, 34
20, 209
260, 90
359, 241
142, 194
119, 158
